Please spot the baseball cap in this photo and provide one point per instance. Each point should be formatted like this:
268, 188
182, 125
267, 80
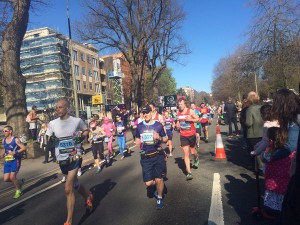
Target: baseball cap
146, 109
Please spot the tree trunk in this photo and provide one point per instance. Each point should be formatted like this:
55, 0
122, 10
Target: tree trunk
13, 81
155, 92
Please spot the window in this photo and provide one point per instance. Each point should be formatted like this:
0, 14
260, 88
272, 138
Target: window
101, 64
84, 85
76, 70
94, 62
97, 89
82, 56
36, 35
78, 85
75, 55
88, 59
90, 73
83, 70
96, 77
91, 86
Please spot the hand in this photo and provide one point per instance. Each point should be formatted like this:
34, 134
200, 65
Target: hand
156, 136
188, 118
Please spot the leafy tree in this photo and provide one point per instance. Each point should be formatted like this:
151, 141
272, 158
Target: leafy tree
166, 85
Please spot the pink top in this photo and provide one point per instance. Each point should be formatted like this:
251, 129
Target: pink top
108, 128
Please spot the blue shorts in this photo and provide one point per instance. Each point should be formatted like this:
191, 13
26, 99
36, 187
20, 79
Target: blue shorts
12, 166
170, 136
154, 167
72, 166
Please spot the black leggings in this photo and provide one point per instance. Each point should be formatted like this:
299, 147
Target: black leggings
98, 147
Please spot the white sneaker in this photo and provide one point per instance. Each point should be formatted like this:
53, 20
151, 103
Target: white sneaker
170, 154
79, 173
63, 180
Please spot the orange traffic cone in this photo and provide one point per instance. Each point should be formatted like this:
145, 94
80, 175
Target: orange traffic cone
219, 147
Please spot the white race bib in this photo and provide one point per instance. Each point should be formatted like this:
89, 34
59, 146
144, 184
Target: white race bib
66, 145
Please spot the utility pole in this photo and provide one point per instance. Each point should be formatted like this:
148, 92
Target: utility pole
72, 64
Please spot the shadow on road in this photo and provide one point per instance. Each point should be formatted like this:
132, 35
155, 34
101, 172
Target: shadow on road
99, 191
40, 182
12, 213
242, 197
181, 165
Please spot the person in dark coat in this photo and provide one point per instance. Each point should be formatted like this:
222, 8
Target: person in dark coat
231, 110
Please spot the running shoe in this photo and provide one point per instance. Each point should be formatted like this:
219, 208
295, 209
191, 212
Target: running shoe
196, 163
170, 154
67, 223
122, 158
189, 176
206, 140
63, 180
159, 204
79, 172
107, 159
17, 194
89, 203
98, 170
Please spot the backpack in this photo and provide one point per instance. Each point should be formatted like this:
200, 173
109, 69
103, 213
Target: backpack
28, 118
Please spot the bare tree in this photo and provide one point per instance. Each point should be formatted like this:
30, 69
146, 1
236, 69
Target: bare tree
137, 28
275, 28
13, 28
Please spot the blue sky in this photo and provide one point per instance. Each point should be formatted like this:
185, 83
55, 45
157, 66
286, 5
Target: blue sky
213, 29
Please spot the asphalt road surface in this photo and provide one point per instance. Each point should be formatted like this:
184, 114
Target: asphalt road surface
222, 192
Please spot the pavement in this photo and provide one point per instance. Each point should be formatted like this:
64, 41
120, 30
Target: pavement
34, 168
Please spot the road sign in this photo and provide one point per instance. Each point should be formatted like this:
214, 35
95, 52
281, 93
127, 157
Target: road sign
170, 100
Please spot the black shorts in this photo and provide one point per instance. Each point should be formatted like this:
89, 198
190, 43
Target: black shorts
154, 167
73, 165
198, 130
170, 136
188, 141
98, 147
204, 124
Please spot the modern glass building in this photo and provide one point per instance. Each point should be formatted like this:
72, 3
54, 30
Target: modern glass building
46, 64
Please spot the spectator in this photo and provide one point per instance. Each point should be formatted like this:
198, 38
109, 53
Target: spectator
231, 111
254, 123
277, 173
32, 119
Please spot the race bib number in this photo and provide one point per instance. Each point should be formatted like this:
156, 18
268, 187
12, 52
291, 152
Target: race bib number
66, 145
120, 129
168, 125
147, 138
185, 126
9, 157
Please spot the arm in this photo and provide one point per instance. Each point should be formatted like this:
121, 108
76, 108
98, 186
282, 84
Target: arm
21, 145
192, 118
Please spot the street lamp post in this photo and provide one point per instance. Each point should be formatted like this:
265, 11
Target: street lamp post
72, 64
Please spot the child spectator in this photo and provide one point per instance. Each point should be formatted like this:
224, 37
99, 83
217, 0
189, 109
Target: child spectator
277, 172
266, 113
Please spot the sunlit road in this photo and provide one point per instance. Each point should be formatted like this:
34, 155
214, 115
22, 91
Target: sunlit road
120, 195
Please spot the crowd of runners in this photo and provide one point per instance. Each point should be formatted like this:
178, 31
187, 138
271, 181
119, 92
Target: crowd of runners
270, 131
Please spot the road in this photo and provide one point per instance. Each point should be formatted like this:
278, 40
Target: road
120, 195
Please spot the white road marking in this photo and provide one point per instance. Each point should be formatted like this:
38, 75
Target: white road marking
29, 197
216, 216
33, 195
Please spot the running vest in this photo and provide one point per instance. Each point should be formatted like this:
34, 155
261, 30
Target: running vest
12, 146
204, 113
186, 128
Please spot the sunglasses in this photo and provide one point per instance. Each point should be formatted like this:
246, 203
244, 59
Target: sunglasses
6, 131
145, 112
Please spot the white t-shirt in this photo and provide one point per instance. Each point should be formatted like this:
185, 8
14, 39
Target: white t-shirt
65, 128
